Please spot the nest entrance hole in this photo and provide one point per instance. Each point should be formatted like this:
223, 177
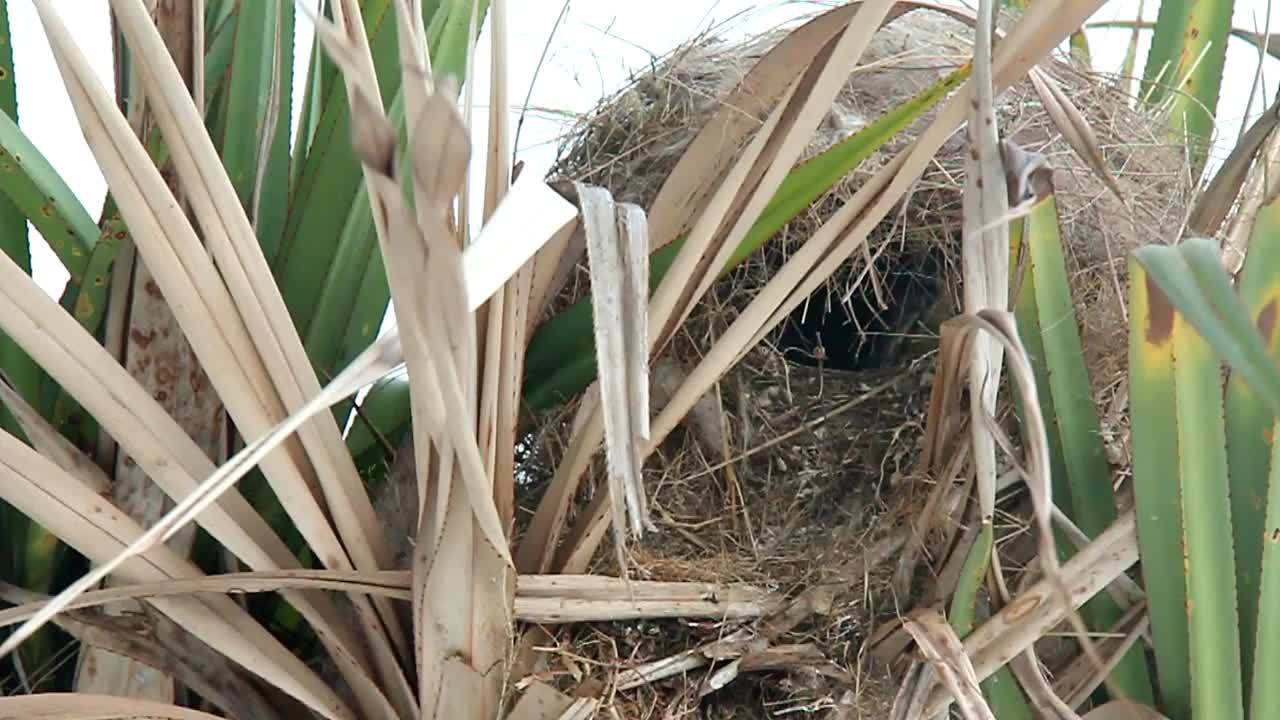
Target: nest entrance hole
868, 318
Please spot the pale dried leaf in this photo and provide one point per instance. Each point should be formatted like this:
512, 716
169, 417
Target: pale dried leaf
1039, 30
1033, 612
913, 691
81, 365
158, 643
540, 701
678, 664
86, 522
553, 265
617, 247
581, 709
229, 235
50, 443
529, 216
1045, 702
1027, 176
1080, 679
942, 649
251, 371
202, 498
1124, 590
83, 706
439, 163
575, 598
497, 176
1214, 204
736, 204
1075, 128
1261, 187
984, 250
759, 172
717, 145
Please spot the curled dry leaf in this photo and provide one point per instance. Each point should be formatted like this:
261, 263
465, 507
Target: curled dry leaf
1075, 128
1027, 176
942, 650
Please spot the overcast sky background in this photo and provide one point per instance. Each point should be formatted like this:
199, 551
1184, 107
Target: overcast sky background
590, 55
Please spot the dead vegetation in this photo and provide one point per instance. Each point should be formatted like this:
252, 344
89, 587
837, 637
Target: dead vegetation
809, 483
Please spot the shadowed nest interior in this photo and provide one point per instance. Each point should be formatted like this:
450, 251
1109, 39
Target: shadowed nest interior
812, 463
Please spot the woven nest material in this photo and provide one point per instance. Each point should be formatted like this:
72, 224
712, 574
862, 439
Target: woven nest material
804, 473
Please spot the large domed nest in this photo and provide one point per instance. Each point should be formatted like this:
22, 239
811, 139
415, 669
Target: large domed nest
807, 480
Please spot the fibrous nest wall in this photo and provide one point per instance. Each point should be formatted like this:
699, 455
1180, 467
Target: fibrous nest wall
803, 456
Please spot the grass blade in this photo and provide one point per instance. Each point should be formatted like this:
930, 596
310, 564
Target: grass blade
1198, 71
35, 189
1158, 497
1216, 678
30, 188
1265, 698
1047, 312
1166, 45
325, 205
1249, 420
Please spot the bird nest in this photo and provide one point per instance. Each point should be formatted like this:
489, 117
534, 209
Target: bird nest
794, 472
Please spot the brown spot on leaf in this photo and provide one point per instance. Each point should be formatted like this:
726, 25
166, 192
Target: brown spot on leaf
141, 339
1160, 314
165, 375
1025, 605
1267, 322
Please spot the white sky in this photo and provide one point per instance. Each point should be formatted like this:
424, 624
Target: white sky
597, 44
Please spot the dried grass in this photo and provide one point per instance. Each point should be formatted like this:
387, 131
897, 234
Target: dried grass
818, 460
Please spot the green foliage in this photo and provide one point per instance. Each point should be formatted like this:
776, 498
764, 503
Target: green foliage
1154, 438
1081, 476
1186, 316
